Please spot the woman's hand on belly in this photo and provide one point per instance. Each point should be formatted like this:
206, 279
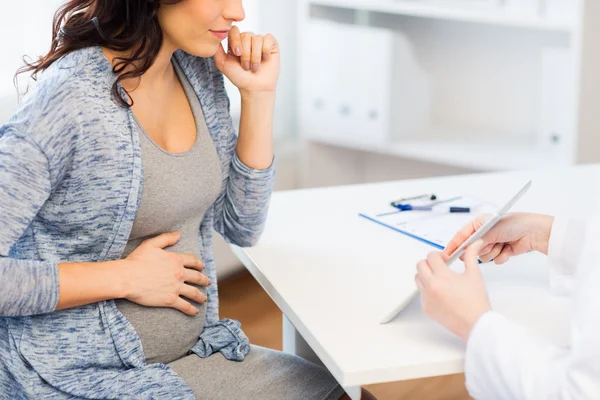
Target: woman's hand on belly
157, 278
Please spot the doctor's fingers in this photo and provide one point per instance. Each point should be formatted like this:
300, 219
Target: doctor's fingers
465, 232
424, 273
491, 253
437, 263
507, 252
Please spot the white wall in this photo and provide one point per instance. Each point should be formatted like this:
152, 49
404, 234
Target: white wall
25, 29
278, 18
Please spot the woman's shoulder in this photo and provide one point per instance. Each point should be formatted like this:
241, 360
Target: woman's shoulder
67, 82
62, 91
68, 98
66, 71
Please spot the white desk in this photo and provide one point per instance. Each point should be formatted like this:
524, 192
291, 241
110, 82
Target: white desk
332, 274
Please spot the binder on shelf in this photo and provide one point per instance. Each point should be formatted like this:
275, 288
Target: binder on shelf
556, 126
361, 84
318, 83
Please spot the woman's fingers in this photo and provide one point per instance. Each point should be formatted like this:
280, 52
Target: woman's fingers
235, 41
257, 52
190, 261
251, 49
269, 43
193, 293
195, 277
246, 57
192, 266
184, 306
164, 240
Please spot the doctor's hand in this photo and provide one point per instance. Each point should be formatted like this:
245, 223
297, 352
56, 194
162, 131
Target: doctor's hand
456, 301
513, 235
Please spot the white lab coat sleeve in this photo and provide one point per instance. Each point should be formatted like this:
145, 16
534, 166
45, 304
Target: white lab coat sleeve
564, 250
507, 361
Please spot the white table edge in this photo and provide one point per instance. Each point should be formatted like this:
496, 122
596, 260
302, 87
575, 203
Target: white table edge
405, 373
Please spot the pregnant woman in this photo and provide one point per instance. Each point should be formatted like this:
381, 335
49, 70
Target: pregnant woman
114, 172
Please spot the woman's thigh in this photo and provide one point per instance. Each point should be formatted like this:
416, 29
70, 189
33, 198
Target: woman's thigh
264, 374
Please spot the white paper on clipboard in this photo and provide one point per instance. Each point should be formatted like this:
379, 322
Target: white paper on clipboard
433, 228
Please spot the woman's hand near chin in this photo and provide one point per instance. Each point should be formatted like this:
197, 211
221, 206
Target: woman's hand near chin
252, 62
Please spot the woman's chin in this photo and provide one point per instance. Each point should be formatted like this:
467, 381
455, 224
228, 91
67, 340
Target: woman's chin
205, 50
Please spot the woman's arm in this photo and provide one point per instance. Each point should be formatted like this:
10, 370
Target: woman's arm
26, 286
86, 283
242, 212
255, 141
149, 276
252, 174
30, 287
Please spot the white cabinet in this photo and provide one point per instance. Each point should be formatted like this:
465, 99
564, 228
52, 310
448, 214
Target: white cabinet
477, 84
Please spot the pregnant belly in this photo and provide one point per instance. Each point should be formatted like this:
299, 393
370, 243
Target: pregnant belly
166, 334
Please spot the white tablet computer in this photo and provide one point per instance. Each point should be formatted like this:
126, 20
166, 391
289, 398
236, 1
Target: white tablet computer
461, 249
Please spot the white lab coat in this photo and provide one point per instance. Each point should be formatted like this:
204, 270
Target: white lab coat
506, 361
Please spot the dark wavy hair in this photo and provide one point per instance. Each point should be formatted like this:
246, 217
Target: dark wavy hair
118, 25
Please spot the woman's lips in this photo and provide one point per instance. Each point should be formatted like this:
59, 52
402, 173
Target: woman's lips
220, 34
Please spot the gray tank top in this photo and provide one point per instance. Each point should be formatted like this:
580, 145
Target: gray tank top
178, 190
